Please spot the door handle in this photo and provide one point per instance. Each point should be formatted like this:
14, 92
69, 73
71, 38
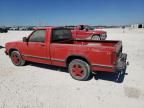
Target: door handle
42, 44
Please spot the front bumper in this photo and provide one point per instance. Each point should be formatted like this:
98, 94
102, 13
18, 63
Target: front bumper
6, 52
122, 62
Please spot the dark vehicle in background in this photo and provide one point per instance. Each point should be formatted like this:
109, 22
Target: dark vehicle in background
3, 30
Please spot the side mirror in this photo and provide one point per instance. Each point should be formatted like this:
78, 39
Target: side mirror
25, 39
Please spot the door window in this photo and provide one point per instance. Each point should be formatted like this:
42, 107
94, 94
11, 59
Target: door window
38, 36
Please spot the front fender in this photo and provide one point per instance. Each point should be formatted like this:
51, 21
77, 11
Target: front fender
11, 46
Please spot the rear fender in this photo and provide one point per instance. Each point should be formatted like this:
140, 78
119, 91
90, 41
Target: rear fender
71, 57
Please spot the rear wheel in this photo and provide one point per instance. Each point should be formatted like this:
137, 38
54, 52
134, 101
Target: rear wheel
96, 37
17, 59
79, 70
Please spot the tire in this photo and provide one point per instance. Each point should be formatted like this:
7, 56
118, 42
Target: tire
79, 70
5, 30
17, 59
96, 37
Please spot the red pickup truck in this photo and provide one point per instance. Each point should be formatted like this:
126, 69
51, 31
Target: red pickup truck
87, 32
56, 46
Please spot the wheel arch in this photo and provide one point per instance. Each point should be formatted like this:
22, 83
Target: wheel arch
95, 34
72, 57
11, 50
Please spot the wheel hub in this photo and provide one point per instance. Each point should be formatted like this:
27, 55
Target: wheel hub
77, 70
15, 58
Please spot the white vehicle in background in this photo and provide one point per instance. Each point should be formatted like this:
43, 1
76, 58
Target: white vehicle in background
14, 28
22, 28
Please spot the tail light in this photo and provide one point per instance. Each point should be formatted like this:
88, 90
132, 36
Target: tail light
114, 58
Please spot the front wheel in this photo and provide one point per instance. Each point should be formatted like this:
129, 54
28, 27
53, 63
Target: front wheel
79, 70
17, 59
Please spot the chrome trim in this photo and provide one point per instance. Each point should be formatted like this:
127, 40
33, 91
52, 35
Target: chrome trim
60, 60
45, 58
101, 65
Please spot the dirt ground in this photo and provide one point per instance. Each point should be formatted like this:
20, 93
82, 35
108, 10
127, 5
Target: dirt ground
43, 86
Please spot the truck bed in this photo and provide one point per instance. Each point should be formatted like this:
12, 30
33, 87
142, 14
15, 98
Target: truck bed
96, 43
106, 43
97, 52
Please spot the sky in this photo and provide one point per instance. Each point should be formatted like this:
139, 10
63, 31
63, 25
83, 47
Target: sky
71, 12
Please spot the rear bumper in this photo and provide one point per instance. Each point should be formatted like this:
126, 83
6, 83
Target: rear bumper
122, 62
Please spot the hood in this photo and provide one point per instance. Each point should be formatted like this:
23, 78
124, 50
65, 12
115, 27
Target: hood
12, 43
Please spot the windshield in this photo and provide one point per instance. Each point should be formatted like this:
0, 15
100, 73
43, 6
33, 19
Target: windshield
88, 27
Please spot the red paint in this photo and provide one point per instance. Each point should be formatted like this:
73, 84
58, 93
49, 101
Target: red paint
87, 32
77, 70
101, 55
15, 59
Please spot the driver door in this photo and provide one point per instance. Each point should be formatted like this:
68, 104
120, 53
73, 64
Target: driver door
36, 49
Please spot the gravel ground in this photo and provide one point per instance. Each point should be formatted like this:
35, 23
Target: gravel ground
43, 86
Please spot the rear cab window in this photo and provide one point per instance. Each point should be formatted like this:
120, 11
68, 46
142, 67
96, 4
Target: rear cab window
61, 34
